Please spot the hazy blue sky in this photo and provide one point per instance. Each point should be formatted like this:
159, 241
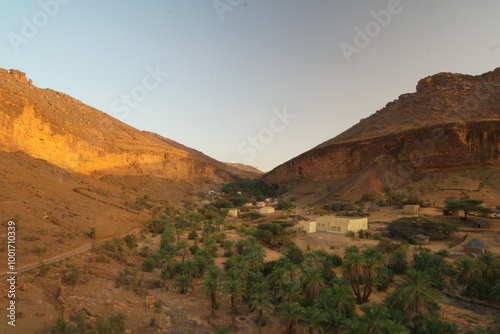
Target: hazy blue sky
253, 81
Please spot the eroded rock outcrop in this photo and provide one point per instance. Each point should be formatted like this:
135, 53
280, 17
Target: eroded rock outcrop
55, 127
451, 122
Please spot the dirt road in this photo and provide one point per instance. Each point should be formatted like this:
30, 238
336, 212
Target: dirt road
81, 249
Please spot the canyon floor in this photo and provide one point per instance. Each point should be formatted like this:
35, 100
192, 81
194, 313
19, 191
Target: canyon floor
43, 297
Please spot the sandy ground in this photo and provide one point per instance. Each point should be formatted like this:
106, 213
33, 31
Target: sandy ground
42, 299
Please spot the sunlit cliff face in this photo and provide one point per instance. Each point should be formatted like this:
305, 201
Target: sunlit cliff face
55, 127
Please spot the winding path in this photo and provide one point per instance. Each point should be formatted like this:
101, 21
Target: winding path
81, 249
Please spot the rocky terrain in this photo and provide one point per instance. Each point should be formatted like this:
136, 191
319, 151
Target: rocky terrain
451, 123
50, 125
66, 168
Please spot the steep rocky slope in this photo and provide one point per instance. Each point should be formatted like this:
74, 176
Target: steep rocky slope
55, 127
452, 122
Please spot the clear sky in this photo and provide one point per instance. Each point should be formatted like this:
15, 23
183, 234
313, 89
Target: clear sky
250, 81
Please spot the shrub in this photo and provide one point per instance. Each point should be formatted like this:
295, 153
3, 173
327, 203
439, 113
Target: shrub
403, 228
130, 241
192, 235
285, 204
145, 251
367, 197
114, 324
350, 234
341, 206
148, 265
92, 233
72, 274
125, 278
43, 268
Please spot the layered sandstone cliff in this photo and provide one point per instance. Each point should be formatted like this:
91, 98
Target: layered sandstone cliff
55, 127
452, 121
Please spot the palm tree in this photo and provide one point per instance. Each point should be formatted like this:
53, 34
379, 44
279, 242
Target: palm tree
278, 276
312, 282
234, 290
495, 293
260, 303
178, 233
255, 257
212, 286
354, 325
415, 294
317, 258
341, 298
228, 246
295, 254
397, 262
183, 283
362, 269
466, 273
211, 246
390, 327
169, 263
293, 271
489, 265
292, 312
369, 276
436, 326
353, 272
260, 287
183, 248
289, 291
373, 314
314, 319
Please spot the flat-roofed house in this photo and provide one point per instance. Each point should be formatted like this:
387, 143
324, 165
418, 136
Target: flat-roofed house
411, 209
309, 226
233, 213
266, 210
340, 224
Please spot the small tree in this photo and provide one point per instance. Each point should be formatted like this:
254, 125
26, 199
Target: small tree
285, 204
92, 233
148, 265
468, 205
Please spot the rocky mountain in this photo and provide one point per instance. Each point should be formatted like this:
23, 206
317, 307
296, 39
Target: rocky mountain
50, 125
451, 123
67, 168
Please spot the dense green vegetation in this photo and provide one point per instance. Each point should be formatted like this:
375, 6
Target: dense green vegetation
403, 228
311, 291
254, 190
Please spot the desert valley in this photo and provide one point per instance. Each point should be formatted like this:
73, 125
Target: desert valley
393, 226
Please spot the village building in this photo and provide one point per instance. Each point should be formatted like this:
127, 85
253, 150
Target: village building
475, 246
420, 239
309, 226
453, 213
411, 209
266, 210
261, 204
340, 224
248, 205
373, 208
233, 213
